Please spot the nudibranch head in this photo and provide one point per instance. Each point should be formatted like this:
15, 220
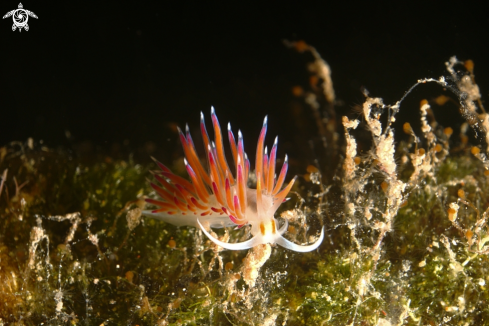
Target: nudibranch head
218, 198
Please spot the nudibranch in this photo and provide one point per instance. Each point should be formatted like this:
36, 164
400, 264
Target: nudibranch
216, 198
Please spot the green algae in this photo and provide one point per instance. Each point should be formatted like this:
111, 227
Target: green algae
141, 280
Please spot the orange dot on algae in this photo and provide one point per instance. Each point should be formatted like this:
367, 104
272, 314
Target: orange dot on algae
384, 185
442, 99
312, 169
423, 102
172, 243
452, 214
421, 151
297, 91
469, 65
469, 234
486, 173
464, 139
313, 81
228, 266
291, 229
357, 160
448, 131
301, 46
475, 150
438, 148
461, 193
233, 297
407, 128
130, 276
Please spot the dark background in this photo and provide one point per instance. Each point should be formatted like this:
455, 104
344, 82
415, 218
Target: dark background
118, 76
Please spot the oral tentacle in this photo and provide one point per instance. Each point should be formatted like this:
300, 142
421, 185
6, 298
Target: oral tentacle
231, 246
281, 241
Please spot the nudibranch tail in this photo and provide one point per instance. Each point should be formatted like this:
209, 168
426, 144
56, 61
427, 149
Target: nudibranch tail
217, 197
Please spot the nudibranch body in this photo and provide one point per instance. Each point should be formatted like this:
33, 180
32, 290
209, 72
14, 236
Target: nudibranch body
216, 198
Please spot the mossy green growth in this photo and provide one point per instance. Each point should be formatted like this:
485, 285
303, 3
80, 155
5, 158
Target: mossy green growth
156, 273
